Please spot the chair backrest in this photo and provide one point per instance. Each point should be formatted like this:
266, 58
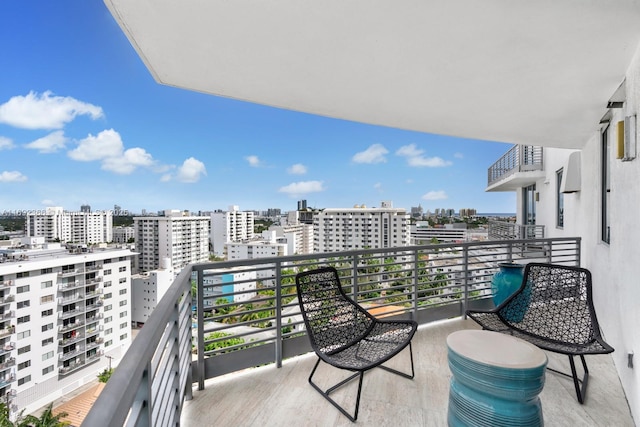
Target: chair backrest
332, 319
554, 302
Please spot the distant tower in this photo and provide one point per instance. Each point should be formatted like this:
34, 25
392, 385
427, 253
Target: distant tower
85, 208
302, 205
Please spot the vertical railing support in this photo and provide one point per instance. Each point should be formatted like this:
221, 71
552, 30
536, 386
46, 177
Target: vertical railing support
465, 280
200, 343
278, 347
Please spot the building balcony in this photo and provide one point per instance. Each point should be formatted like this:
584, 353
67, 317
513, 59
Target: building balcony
70, 273
70, 285
71, 340
70, 354
6, 380
70, 313
8, 363
70, 326
6, 284
7, 300
268, 330
7, 347
502, 230
519, 167
71, 367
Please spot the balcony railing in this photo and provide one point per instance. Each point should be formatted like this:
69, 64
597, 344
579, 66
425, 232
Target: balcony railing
520, 158
502, 230
257, 321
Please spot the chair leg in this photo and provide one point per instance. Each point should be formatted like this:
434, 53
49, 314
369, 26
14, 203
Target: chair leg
402, 374
581, 389
325, 394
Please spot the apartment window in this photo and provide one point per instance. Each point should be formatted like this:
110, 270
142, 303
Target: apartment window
122, 291
24, 319
123, 325
45, 299
108, 331
22, 304
24, 365
22, 289
23, 274
123, 337
47, 313
25, 334
24, 380
47, 341
122, 280
47, 370
122, 269
47, 327
107, 296
108, 343
107, 261
605, 233
25, 349
46, 270
123, 314
47, 355
108, 319
107, 284
107, 272
47, 284
108, 307
123, 303
559, 200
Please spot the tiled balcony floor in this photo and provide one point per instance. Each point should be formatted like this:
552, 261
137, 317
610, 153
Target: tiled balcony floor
268, 396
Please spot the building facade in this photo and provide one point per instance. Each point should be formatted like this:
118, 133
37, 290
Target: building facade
233, 225
57, 225
123, 234
147, 289
359, 228
178, 236
62, 315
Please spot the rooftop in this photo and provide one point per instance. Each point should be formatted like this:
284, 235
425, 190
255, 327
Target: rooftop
268, 396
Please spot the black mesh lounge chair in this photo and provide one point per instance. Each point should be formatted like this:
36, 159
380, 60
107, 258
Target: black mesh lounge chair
553, 309
345, 335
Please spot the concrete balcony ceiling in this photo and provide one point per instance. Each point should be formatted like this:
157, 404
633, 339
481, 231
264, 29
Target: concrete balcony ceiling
538, 73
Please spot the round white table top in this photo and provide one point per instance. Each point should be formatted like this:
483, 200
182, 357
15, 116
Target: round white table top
496, 349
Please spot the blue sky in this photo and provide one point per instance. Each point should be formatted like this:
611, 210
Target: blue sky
83, 122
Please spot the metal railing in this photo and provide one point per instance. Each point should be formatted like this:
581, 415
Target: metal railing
247, 314
519, 158
502, 230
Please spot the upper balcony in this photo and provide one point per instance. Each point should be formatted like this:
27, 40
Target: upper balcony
503, 230
519, 167
263, 326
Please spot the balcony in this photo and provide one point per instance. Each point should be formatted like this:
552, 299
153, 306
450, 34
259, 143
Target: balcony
267, 330
520, 166
70, 285
502, 230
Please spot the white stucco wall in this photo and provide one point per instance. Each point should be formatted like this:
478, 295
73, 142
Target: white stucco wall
615, 266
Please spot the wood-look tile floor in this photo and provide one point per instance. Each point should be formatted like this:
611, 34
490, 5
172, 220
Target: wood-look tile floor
271, 397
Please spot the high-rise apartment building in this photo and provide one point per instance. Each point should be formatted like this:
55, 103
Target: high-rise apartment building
178, 236
233, 225
57, 225
62, 314
122, 234
360, 227
147, 289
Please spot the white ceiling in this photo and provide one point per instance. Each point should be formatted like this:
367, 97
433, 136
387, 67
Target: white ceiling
533, 72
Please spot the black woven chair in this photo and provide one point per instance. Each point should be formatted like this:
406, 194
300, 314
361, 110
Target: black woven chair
345, 335
553, 309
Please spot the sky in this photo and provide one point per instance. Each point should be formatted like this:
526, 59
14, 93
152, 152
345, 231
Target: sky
83, 122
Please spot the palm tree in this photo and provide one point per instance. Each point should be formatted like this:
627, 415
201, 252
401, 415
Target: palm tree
47, 419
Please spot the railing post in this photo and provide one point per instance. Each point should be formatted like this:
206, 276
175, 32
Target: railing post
416, 270
354, 273
187, 338
465, 280
200, 343
278, 347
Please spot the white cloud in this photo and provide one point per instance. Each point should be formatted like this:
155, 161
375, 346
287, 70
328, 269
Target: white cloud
12, 176
458, 155
302, 187
191, 170
373, 154
45, 111
435, 195
254, 161
297, 169
6, 143
128, 162
415, 157
49, 144
106, 144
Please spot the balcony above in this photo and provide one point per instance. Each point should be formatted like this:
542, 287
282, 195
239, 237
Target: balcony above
519, 167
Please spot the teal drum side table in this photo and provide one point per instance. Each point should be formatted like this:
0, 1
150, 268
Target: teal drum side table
496, 380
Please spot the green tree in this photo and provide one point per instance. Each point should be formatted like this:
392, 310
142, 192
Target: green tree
47, 419
104, 376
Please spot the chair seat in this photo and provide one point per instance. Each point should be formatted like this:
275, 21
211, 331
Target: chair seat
385, 340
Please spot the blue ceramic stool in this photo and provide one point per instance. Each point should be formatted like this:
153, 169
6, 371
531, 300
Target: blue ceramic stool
496, 380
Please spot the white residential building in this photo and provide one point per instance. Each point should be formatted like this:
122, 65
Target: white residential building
182, 238
422, 233
231, 226
56, 224
219, 282
360, 227
122, 234
62, 314
147, 289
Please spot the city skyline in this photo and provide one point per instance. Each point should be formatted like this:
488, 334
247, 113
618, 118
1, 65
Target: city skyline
83, 122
